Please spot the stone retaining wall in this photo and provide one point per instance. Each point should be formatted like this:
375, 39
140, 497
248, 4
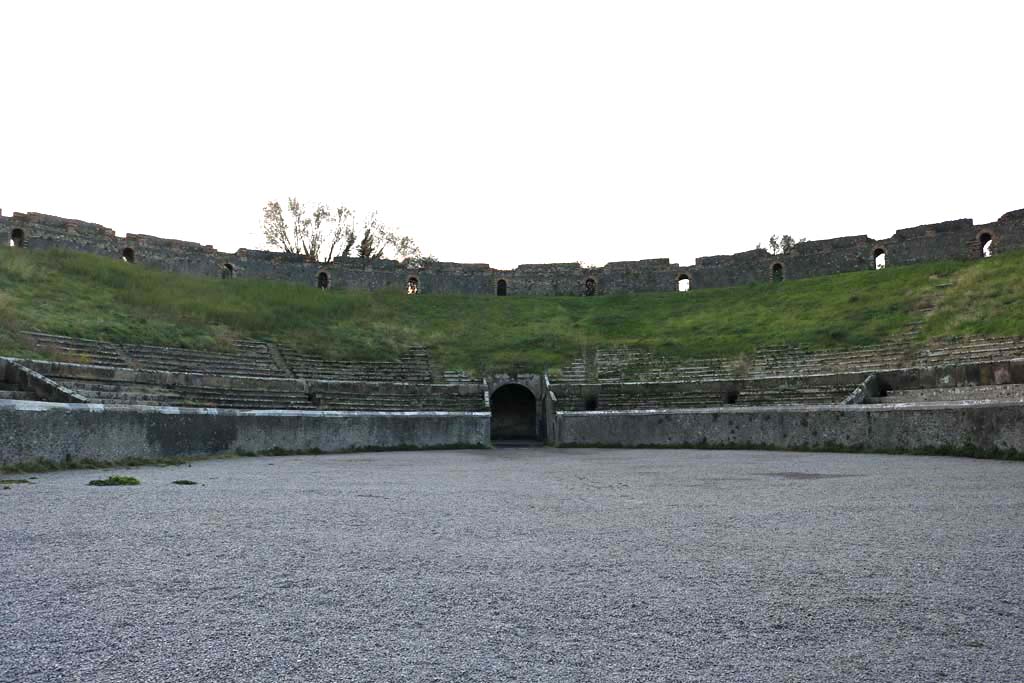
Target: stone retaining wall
960, 427
62, 433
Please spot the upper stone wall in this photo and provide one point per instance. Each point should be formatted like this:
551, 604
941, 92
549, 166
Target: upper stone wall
951, 240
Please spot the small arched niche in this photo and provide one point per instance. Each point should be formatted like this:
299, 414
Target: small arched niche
683, 283
412, 286
590, 287
501, 289
879, 256
777, 273
227, 271
985, 244
323, 280
17, 238
128, 255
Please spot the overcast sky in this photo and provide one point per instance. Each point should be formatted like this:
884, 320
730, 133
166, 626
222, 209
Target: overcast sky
517, 132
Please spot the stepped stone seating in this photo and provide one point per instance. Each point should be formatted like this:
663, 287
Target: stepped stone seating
258, 377
987, 392
458, 377
972, 350
253, 360
16, 393
632, 365
75, 350
400, 397
654, 396
125, 386
413, 366
120, 392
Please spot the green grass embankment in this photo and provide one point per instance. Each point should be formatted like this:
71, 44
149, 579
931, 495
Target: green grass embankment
99, 298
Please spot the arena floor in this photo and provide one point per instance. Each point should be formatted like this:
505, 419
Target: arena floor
527, 564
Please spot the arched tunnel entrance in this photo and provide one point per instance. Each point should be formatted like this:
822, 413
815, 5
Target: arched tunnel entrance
513, 414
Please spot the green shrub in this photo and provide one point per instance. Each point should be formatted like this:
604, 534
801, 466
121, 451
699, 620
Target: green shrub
115, 480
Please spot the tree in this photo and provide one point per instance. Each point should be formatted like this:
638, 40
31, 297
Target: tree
378, 239
312, 236
323, 232
782, 245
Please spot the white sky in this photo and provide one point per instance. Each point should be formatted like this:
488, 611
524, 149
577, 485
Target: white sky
517, 132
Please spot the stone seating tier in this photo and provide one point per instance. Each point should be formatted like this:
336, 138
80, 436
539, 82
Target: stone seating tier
632, 365
413, 366
15, 393
361, 401
75, 350
988, 392
253, 359
181, 360
652, 397
132, 387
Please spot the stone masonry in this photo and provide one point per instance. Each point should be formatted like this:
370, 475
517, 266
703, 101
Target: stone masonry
951, 240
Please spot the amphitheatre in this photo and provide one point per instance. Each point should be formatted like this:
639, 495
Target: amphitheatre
757, 467
863, 382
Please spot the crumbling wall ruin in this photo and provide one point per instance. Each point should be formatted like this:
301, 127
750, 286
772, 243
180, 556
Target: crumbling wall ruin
951, 240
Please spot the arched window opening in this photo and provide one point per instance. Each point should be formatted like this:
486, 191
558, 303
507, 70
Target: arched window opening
227, 271
590, 287
502, 288
323, 281
128, 255
684, 283
879, 256
777, 275
985, 240
17, 238
412, 286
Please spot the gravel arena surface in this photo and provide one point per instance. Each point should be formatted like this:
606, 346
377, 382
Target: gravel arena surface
519, 564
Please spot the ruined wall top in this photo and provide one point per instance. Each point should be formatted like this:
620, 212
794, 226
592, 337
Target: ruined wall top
948, 240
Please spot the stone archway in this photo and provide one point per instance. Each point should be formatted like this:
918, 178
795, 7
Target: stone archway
513, 414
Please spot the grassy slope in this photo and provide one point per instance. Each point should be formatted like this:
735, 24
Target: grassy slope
88, 296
